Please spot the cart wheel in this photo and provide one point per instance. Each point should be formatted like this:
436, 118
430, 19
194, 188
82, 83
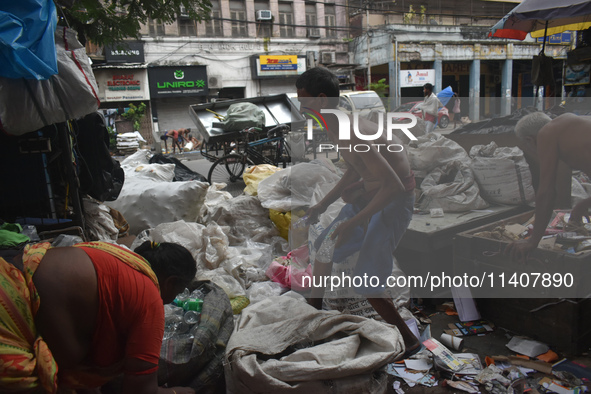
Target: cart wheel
228, 170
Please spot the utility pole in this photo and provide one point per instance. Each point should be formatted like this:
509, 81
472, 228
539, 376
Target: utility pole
368, 47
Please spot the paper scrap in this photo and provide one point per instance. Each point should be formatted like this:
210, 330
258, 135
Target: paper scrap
418, 365
527, 347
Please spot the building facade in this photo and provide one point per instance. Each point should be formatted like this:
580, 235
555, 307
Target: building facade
239, 52
447, 43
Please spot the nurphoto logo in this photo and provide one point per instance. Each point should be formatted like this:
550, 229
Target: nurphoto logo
392, 120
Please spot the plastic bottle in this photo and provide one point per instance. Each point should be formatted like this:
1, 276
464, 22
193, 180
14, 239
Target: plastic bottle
192, 317
301, 222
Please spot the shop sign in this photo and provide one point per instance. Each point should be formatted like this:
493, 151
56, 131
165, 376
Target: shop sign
129, 52
122, 84
416, 78
577, 74
279, 63
558, 38
174, 81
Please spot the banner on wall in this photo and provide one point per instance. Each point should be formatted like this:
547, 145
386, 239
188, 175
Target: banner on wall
122, 84
278, 63
175, 81
416, 78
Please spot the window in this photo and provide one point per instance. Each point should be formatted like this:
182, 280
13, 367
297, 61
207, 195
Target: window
263, 27
187, 27
213, 27
312, 21
330, 21
156, 28
238, 17
286, 20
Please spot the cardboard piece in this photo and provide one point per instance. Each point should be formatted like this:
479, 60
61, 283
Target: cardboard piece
527, 347
539, 366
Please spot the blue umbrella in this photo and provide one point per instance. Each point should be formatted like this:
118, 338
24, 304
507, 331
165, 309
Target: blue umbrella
445, 95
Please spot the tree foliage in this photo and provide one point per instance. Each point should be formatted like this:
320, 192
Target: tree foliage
112, 21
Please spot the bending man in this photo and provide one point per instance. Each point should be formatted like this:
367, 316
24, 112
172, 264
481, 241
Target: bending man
378, 187
565, 138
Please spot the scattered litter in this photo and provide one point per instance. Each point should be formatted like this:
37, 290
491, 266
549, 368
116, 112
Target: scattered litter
411, 377
443, 354
527, 347
418, 364
578, 370
460, 386
470, 328
396, 387
539, 366
452, 341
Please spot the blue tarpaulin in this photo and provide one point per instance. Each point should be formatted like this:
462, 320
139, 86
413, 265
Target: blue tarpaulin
445, 95
27, 43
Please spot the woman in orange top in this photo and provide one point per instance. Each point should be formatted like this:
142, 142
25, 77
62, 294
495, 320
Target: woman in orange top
80, 316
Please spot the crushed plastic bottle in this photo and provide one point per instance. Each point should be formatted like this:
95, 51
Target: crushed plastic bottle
301, 222
192, 317
326, 250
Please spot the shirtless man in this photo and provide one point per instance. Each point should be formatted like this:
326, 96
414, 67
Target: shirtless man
378, 189
566, 138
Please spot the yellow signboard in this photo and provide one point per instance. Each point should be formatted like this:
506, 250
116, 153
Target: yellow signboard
278, 62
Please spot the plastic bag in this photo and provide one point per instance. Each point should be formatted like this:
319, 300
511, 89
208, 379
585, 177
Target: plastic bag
451, 187
289, 271
433, 150
26, 39
242, 115
294, 187
254, 175
70, 94
502, 174
282, 221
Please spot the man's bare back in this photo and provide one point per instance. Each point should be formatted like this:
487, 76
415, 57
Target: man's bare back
572, 136
374, 177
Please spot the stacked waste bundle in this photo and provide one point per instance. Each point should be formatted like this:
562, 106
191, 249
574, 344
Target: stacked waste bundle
243, 264
129, 143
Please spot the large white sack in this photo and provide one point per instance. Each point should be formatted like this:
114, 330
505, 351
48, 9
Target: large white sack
294, 186
502, 174
146, 204
452, 188
341, 353
434, 150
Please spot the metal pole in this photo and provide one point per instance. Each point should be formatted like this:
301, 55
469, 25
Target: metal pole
368, 48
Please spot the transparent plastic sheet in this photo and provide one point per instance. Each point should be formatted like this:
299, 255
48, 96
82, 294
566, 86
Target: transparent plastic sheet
244, 218
293, 187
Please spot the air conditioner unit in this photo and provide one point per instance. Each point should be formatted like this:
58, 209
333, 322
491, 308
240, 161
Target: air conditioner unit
214, 82
264, 15
328, 57
313, 33
183, 13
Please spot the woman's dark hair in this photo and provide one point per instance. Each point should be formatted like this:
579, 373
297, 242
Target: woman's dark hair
319, 80
428, 86
168, 259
